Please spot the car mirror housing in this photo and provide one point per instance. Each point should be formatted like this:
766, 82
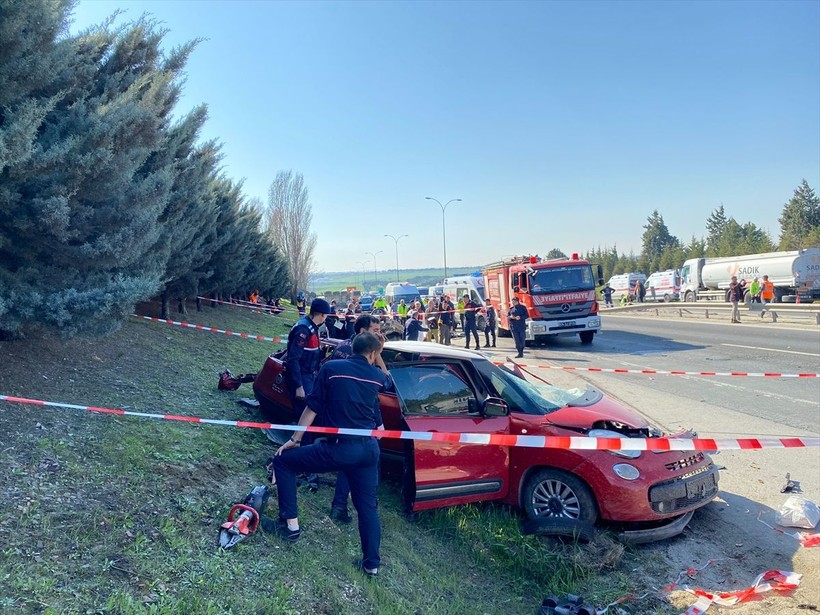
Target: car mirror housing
494, 406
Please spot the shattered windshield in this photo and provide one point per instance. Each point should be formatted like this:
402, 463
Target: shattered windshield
528, 397
562, 279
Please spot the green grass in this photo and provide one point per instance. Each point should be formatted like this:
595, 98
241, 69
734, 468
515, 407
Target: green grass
110, 514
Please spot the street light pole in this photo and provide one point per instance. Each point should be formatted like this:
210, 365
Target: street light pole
374, 264
396, 239
443, 228
364, 277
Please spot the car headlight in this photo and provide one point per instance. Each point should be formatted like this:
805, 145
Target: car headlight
626, 471
594, 322
606, 433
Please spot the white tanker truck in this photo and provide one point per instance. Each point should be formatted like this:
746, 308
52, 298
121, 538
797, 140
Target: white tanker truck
792, 273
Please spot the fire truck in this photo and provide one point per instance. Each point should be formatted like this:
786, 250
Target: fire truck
559, 295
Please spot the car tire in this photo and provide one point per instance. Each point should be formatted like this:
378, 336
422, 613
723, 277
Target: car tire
586, 337
551, 493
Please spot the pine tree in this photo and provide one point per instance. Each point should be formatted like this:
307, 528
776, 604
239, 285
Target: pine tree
79, 207
715, 225
800, 220
656, 238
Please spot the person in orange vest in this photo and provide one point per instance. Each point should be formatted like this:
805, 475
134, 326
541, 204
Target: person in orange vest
767, 290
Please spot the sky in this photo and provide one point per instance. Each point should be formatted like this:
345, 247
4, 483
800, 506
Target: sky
558, 124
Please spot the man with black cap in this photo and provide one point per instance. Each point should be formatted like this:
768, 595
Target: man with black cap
304, 354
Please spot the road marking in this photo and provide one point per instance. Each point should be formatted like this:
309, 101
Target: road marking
809, 354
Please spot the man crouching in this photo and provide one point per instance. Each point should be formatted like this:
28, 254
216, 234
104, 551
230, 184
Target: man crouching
345, 394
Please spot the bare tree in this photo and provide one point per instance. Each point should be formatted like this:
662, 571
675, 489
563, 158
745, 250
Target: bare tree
289, 217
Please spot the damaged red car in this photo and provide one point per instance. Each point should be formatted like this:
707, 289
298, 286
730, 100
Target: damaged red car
645, 495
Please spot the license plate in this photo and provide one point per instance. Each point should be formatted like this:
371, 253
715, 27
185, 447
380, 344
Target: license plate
566, 323
698, 489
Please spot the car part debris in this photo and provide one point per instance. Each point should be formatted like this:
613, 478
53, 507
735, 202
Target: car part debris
790, 486
798, 512
571, 605
559, 528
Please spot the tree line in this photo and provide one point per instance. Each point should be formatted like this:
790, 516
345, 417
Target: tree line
725, 236
107, 199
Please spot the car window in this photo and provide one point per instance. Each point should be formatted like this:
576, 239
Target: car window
525, 396
432, 389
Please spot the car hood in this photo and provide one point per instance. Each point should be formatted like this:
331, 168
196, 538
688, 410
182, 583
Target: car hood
604, 410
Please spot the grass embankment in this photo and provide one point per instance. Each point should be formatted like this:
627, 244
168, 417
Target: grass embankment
109, 514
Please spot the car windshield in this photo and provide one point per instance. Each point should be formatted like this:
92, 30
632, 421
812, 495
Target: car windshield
562, 279
528, 397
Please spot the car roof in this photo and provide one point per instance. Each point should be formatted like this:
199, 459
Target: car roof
429, 348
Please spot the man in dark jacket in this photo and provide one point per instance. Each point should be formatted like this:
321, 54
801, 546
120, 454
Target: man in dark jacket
346, 395
470, 312
446, 319
518, 325
489, 328
735, 297
304, 354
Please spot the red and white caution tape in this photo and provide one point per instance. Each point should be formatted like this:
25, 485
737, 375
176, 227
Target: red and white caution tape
804, 538
771, 580
188, 325
256, 307
660, 372
560, 442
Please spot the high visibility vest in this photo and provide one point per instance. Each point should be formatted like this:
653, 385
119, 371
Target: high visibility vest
768, 290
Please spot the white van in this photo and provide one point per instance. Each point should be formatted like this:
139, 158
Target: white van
396, 292
624, 283
458, 286
663, 286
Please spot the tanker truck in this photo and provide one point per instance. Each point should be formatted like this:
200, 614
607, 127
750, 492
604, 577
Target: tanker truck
792, 273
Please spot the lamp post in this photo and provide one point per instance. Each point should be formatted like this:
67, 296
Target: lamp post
396, 239
374, 264
364, 277
443, 228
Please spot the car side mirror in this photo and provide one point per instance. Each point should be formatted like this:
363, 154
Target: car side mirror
494, 406
600, 281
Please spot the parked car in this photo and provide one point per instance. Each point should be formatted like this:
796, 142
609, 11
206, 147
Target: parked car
648, 495
366, 303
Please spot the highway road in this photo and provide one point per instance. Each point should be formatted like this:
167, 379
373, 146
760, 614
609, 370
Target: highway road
638, 342
728, 531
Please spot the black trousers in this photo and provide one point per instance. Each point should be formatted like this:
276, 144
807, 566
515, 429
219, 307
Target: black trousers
518, 333
470, 327
489, 330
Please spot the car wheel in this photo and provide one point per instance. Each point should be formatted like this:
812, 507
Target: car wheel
558, 494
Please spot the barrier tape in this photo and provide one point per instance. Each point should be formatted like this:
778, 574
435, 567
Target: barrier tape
188, 325
660, 372
804, 538
559, 442
771, 580
256, 307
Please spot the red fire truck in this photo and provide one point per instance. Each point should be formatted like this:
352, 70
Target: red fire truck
559, 295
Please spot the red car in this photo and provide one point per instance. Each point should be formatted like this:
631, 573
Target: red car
646, 495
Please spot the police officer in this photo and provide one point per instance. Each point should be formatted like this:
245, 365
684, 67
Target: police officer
489, 328
469, 324
518, 325
304, 354
345, 395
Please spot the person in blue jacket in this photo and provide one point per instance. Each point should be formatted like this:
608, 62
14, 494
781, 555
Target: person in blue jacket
346, 395
304, 354
518, 325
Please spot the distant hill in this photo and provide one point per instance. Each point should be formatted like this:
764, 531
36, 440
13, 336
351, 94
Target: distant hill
336, 280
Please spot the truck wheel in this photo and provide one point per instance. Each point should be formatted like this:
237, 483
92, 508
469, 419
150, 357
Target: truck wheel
586, 336
504, 332
689, 297
551, 493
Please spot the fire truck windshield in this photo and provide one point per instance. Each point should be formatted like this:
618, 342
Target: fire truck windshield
562, 279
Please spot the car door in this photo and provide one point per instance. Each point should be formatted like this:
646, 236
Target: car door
439, 396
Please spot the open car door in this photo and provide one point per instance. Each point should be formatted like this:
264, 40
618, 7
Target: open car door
439, 396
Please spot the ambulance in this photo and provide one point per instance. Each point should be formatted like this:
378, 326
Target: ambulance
663, 286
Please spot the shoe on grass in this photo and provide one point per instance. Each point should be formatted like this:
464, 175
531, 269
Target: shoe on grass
342, 515
280, 528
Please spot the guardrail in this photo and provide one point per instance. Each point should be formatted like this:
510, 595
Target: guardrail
772, 309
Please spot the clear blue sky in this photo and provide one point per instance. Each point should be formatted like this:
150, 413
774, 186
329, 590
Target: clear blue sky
558, 124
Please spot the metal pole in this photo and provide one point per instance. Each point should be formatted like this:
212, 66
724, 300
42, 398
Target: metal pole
374, 264
443, 228
396, 239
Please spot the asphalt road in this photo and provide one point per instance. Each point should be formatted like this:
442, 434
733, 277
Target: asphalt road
730, 531
636, 342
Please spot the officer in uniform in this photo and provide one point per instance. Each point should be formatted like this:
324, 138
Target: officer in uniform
346, 394
518, 325
489, 328
304, 354
469, 322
